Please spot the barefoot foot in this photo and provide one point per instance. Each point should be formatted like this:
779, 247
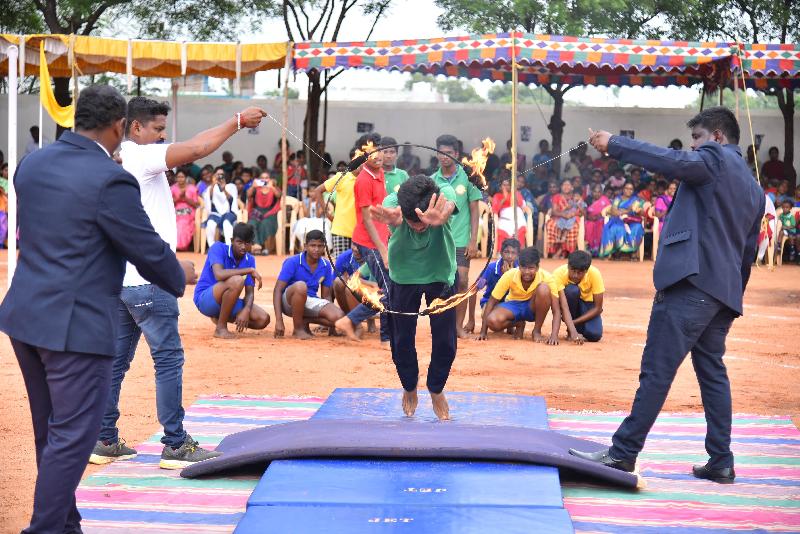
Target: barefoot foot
345, 325
537, 336
440, 406
371, 329
302, 334
461, 333
470, 327
223, 333
519, 331
410, 401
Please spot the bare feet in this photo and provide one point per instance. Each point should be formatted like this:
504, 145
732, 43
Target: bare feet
410, 401
371, 326
440, 406
223, 333
461, 333
470, 327
385, 345
345, 325
302, 334
519, 331
537, 336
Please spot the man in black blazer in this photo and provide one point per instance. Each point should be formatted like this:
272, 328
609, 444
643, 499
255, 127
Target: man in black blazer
80, 219
707, 246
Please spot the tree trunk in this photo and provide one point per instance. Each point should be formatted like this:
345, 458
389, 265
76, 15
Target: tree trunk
557, 123
311, 131
786, 105
63, 97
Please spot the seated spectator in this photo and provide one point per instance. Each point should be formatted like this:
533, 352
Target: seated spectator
594, 221
636, 178
222, 202
229, 270
186, 200
264, 200
647, 192
580, 293
193, 171
247, 182
573, 167
348, 263
617, 178
277, 162
261, 164
797, 197
783, 193
676, 144
530, 293
544, 155
205, 179
4, 177
578, 187
623, 233
527, 195
296, 174
789, 228
238, 168
302, 278
3, 217
227, 163
773, 168
240, 192
546, 201
310, 218
663, 202
502, 208
408, 161
509, 254
603, 163
562, 228
340, 167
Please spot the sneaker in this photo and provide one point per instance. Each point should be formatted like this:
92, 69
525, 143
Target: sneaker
106, 453
185, 455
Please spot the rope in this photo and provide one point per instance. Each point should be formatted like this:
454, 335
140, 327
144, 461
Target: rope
747, 109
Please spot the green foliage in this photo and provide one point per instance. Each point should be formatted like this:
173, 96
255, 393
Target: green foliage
294, 94
501, 94
758, 101
457, 91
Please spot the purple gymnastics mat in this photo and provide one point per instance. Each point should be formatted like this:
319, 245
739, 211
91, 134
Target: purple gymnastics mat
326, 438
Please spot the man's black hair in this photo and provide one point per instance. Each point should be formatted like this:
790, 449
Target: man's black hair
416, 192
579, 260
144, 110
99, 106
245, 232
447, 140
388, 141
773, 148
528, 257
510, 242
261, 156
677, 142
718, 118
247, 170
315, 235
375, 137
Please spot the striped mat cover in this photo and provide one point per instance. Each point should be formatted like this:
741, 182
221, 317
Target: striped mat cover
136, 496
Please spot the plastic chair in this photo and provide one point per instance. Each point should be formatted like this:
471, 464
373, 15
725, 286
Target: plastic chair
546, 235
484, 212
784, 238
199, 236
656, 231
292, 204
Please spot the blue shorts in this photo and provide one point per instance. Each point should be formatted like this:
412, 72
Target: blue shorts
209, 307
520, 308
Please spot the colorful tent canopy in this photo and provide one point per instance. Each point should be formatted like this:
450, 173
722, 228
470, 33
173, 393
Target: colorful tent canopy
541, 58
165, 59
771, 65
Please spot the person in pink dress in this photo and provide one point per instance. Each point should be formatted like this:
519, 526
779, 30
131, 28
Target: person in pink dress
186, 201
663, 203
594, 221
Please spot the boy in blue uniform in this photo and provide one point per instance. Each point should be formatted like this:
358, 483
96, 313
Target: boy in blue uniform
509, 252
347, 263
228, 270
298, 293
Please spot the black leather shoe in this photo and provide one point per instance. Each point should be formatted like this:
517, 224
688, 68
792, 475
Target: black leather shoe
602, 457
724, 475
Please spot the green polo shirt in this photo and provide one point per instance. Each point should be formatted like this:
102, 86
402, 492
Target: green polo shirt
466, 192
394, 179
422, 257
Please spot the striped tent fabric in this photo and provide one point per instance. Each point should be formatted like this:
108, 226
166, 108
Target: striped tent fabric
137, 496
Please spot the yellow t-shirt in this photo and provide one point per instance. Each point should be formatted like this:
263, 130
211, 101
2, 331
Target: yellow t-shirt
591, 285
344, 216
511, 282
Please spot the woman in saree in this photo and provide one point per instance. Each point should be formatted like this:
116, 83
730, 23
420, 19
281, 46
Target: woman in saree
185, 197
623, 233
594, 219
562, 228
264, 201
501, 206
663, 203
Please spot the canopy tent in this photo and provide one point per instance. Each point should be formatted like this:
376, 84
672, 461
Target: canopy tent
770, 66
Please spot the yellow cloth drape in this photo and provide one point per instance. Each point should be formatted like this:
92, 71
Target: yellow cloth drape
63, 115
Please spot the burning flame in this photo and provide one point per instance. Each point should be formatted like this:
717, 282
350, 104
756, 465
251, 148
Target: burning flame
370, 295
479, 158
368, 148
442, 305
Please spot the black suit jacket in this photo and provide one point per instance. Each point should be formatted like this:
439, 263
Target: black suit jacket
80, 219
711, 232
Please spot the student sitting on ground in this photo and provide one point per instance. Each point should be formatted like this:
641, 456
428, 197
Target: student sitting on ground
347, 263
228, 270
532, 292
298, 286
581, 297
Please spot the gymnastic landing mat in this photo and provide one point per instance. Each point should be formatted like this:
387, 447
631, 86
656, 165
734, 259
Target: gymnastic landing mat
137, 497
407, 519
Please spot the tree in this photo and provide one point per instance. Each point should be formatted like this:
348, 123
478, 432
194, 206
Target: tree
501, 94
617, 18
201, 19
457, 91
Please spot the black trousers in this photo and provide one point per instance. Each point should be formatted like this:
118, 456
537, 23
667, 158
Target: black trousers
403, 330
683, 319
67, 392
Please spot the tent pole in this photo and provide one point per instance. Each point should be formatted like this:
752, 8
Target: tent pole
514, 92
13, 53
41, 126
174, 110
721, 90
284, 149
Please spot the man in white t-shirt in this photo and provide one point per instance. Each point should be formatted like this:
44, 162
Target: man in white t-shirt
144, 308
222, 202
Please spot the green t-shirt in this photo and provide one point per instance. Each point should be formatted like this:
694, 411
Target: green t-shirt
394, 179
465, 192
422, 257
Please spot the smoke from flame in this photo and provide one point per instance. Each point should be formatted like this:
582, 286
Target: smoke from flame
369, 295
478, 159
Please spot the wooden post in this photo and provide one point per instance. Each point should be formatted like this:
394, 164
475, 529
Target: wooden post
514, 94
281, 237
13, 54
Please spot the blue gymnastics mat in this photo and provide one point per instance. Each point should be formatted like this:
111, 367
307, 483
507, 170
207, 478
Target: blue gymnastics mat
465, 407
406, 519
407, 482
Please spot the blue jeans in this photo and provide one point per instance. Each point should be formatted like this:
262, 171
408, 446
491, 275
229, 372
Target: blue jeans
592, 329
684, 319
379, 271
153, 312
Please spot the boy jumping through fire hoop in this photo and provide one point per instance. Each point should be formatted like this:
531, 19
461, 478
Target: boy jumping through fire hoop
422, 261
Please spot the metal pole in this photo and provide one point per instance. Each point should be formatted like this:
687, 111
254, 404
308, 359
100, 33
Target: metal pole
41, 126
284, 149
175, 110
514, 93
13, 53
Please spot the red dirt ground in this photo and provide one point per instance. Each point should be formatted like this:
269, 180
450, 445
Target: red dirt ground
763, 361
